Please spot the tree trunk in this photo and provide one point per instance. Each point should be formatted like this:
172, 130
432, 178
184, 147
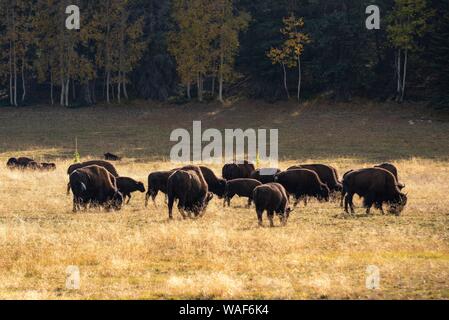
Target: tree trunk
125, 90
404, 75
11, 99
119, 87
189, 96
51, 87
67, 89
61, 101
220, 80
398, 89
299, 77
23, 81
108, 77
200, 88
285, 81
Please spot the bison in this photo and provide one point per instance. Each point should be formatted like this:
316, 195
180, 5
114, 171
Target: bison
302, 183
108, 166
265, 175
327, 174
21, 163
271, 197
376, 186
157, 181
237, 170
190, 189
48, 166
111, 157
242, 187
216, 185
127, 186
94, 185
390, 167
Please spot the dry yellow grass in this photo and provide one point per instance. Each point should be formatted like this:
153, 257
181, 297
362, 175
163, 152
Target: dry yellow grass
137, 253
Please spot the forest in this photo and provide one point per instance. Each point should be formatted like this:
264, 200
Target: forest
203, 50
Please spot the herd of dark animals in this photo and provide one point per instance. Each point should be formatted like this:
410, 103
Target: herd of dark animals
97, 183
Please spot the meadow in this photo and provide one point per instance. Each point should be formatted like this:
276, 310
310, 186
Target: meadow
138, 254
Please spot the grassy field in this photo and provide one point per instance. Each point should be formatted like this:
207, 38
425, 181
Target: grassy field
137, 253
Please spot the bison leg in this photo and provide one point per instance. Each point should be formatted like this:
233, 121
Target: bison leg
129, 198
348, 201
147, 196
259, 217
171, 201
249, 202
305, 201
270, 218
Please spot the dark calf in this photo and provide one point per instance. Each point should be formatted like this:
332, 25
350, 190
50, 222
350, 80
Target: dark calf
242, 187
127, 186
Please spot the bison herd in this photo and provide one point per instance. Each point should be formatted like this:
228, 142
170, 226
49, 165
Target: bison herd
97, 183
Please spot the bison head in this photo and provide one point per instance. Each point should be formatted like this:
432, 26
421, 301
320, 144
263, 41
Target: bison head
117, 201
323, 193
397, 206
221, 186
12, 162
140, 187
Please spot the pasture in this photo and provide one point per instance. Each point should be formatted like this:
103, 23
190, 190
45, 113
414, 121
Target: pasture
138, 254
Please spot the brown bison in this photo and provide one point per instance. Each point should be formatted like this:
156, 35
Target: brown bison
216, 185
265, 175
107, 165
241, 187
376, 186
271, 197
190, 189
21, 163
48, 166
302, 183
94, 185
390, 167
111, 157
327, 174
237, 170
127, 186
157, 181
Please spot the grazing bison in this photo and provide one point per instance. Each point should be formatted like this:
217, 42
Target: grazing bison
302, 183
271, 197
111, 157
96, 186
157, 181
190, 189
216, 185
237, 170
390, 167
48, 166
107, 165
242, 187
21, 163
327, 174
127, 186
376, 186
265, 175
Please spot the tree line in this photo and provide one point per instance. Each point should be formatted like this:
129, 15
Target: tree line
179, 50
